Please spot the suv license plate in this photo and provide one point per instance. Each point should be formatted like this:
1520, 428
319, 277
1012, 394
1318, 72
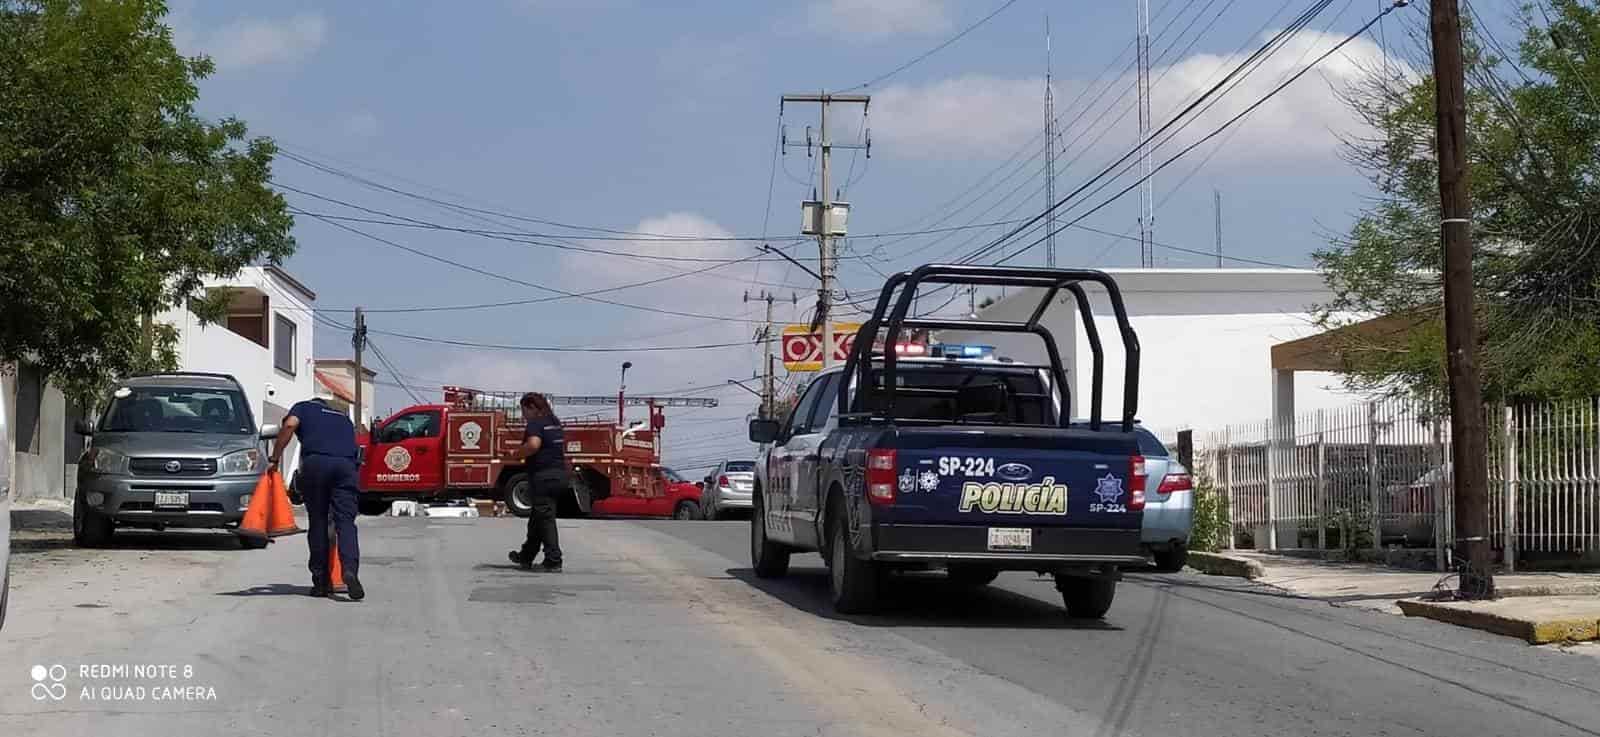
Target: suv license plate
172, 500
1010, 538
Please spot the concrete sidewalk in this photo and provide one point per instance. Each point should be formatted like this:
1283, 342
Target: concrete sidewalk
1538, 607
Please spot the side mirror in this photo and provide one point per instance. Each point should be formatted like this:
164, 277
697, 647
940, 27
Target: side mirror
82, 427
269, 431
763, 431
700, 485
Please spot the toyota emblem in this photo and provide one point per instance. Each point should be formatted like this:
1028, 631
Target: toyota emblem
174, 466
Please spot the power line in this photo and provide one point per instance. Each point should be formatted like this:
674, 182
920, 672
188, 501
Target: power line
930, 52
564, 293
1241, 70
1229, 123
560, 349
415, 398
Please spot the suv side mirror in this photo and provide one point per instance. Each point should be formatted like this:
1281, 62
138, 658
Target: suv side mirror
269, 431
82, 427
763, 431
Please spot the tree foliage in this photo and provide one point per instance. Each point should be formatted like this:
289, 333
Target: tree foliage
1533, 135
116, 198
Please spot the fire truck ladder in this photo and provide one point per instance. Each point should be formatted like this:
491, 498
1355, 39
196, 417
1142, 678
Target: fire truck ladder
611, 400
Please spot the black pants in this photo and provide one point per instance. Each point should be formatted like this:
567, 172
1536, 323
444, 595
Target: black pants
546, 489
329, 488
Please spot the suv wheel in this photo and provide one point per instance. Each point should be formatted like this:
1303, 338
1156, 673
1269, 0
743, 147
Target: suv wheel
852, 582
90, 528
1173, 559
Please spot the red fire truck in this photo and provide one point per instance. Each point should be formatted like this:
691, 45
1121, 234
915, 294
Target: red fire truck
464, 446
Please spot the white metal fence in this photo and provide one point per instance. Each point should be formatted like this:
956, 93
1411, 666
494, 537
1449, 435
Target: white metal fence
1378, 475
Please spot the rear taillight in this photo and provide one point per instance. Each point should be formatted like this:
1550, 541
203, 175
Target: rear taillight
1176, 482
1136, 483
880, 476
723, 481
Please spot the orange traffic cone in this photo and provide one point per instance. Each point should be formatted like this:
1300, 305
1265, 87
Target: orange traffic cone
335, 569
269, 514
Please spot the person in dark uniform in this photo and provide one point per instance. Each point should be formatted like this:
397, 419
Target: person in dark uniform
542, 451
329, 486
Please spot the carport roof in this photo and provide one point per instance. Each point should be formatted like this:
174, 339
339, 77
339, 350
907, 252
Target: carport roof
1325, 351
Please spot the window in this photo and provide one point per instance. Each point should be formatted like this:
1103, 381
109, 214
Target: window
739, 466
410, 425
976, 393
1149, 445
283, 336
828, 404
800, 421
176, 409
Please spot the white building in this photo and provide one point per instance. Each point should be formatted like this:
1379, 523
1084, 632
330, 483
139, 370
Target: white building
1205, 338
336, 383
265, 343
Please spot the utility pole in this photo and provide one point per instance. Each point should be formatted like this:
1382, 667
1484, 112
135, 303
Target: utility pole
825, 208
1217, 201
1467, 442
1049, 155
358, 340
766, 340
1147, 205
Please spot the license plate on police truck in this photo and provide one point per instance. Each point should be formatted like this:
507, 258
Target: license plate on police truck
172, 500
1010, 538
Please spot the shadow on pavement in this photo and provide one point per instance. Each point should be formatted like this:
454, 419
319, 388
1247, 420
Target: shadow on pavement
274, 589
925, 601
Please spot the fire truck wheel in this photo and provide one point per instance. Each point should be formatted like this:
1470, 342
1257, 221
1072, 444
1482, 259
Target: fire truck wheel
686, 510
519, 495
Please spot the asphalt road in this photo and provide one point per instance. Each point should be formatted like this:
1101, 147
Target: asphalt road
659, 628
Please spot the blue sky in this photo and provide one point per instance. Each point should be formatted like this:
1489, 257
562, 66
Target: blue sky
662, 118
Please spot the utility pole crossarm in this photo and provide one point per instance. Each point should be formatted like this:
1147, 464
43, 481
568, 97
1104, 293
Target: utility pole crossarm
825, 97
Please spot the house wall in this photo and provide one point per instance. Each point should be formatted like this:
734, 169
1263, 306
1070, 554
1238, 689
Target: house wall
1205, 338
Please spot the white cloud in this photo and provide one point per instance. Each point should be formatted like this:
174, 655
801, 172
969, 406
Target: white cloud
984, 117
250, 42
361, 124
876, 19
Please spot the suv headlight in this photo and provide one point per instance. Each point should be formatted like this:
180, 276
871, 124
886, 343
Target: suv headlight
244, 461
105, 461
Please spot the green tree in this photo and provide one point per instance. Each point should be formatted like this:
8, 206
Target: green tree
116, 198
1534, 155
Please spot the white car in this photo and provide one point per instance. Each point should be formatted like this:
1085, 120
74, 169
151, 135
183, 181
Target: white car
5, 510
728, 488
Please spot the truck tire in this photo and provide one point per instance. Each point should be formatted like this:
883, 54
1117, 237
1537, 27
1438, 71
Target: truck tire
852, 582
1086, 598
519, 495
90, 528
971, 575
1172, 559
768, 558
686, 510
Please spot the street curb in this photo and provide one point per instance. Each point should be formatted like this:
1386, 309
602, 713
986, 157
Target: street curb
1555, 589
1536, 632
1217, 564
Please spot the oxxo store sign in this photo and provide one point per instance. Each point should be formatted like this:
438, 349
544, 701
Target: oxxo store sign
802, 349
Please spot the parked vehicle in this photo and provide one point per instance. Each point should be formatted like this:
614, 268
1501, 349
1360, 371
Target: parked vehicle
170, 450
5, 508
728, 487
465, 447
687, 495
1408, 520
1168, 508
956, 457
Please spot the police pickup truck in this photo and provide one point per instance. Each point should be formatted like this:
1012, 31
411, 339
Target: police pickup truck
967, 462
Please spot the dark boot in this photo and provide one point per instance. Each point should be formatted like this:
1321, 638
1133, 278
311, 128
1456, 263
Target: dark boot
319, 586
353, 587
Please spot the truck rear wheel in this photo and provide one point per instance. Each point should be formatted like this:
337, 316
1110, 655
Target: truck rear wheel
769, 559
1086, 598
519, 495
686, 510
852, 582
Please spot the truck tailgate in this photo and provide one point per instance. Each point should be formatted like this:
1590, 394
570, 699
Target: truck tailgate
1013, 477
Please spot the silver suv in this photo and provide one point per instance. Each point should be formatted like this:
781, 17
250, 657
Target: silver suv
169, 450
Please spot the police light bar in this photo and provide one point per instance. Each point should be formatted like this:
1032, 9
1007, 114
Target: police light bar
952, 350
910, 349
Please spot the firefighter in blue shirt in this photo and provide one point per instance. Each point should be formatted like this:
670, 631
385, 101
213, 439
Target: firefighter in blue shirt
329, 486
542, 451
